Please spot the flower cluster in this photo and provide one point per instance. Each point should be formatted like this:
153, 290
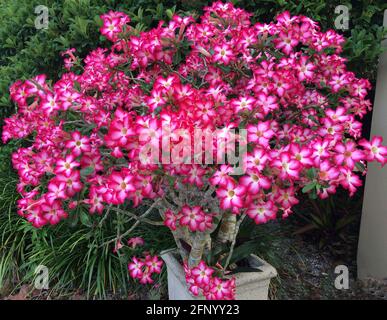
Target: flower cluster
142, 269
132, 243
194, 218
113, 25
200, 280
94, 137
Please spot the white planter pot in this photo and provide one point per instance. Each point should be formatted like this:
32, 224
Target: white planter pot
249, 285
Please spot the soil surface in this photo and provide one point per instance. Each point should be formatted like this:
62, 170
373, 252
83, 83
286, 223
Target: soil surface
308, 272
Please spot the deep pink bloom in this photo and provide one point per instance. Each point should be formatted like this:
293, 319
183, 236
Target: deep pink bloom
170, 219
260, 134
153, 264
78, 144
202, 273
231, 195
261, 212
66, 165
289, 168
223, 54
191, 217
135, 268
374, 150
53, 212
347, 154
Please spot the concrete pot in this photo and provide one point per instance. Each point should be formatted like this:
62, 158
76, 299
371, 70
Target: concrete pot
249, 285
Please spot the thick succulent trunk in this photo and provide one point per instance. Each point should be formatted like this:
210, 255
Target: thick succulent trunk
199, 243
227, 228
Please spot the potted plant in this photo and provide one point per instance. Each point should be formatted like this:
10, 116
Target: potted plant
211, 123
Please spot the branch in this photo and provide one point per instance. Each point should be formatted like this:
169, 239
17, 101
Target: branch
142, 217
138, 218
237, 226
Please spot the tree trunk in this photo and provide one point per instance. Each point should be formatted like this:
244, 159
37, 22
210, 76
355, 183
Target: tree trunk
227, 228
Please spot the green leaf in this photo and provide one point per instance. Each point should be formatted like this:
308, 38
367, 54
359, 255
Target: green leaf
169, 13
242, 251
245, 269
77, 86
311, 174
309, 187
85, 219
87, 171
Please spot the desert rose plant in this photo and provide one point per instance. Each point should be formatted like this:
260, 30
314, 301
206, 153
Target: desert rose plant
207, 122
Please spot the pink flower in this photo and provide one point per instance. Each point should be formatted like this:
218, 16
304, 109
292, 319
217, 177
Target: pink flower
200, 279
254, 181
135, 241
243, 103
302, 154
135, 268
289, 168
268, 103
349, 180
78, 144
66, 165
347, 154
202, 273
221, 289
221, 176
206, 223
57, 190
34, 215
328, 172
120, 131
191, 217
118, 245
305, 69
231, 195
257, 160
170, 219
121, 184
110, 28
260, 134
53, 212
72, 181
262, 212
153, 264
286, 198
338, 82
223, 53
286, 42
155, 100
143, 269
113, 23
374, 150
320, 150
146, 277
